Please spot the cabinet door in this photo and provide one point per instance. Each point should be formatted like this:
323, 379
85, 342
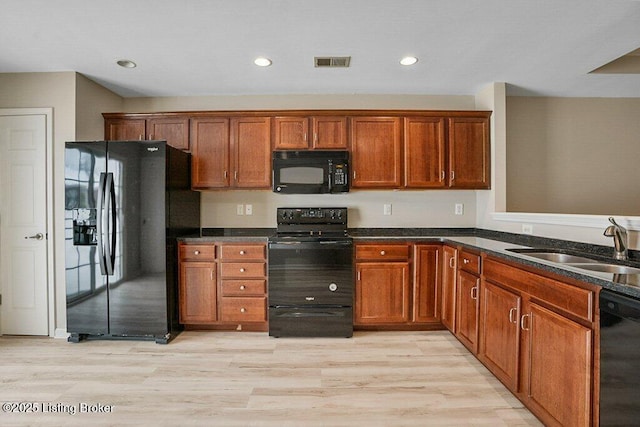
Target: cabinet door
197, 292
426, 290
467, 310
329, 132
173, 130
251, 148
382, 293
469, 152
210, 152
559, 373
124, 129
449, 256
376, 150
291, 133
500, 333
424, 152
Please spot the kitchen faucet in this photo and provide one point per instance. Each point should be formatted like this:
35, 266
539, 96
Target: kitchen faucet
620, 239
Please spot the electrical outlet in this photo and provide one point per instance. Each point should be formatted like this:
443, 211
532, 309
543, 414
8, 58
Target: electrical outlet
387, 209
459, 210
527, 229
239, 209
248, 209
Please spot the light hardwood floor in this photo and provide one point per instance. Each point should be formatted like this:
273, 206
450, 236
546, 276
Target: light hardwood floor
248, 379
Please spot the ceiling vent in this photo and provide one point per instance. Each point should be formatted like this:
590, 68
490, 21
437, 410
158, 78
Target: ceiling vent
332, 61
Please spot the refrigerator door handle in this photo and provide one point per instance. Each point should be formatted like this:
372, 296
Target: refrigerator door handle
110, 198
114, 215
99, 224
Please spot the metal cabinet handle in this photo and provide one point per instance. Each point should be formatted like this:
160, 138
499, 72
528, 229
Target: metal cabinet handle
453, 175
242, 287
512, 317
38, 236
235, 176
442, 175
474, 292
383, 253
522, 322
452, 262
226, 174
315, 137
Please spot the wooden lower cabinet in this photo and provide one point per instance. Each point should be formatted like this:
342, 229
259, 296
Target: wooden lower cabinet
558, 380
397, 286
467, 309
228, 291
382, 293
448, 286
537, 337
499, 346
197, 284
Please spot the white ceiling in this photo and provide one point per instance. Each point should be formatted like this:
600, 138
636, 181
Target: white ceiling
207, 47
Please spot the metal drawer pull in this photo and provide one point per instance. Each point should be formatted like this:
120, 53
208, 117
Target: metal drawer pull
196, 252
465, 261
522, 322
383, 253
512, 318
474, 292
243, 310
242, 287
242, 252
242, 270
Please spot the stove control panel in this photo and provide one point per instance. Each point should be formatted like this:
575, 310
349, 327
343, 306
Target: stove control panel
312, 216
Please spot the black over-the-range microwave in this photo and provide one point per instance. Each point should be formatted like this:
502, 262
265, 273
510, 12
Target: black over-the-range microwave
310, 172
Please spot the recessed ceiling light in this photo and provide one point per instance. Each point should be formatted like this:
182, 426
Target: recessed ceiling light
261, 61
125, 63
408, 60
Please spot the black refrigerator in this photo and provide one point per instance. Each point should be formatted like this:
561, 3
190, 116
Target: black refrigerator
126, 202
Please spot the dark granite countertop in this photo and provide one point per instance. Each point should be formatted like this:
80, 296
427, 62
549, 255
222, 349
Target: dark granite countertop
491, 242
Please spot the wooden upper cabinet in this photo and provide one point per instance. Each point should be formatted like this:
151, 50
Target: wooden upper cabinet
251, 152
301, 133
424, 152
121, 129
291, 133
210, 152
329, 132
469, 153
174, 130
376, 150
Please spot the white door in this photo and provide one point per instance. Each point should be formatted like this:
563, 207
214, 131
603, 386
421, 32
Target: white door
23, 225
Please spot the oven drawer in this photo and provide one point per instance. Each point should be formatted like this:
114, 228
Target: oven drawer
240, 288
239, 309
242, 252
242, 269
311, 322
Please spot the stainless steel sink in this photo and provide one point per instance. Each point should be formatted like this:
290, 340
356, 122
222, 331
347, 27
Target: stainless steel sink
554, 256
560, 256
608, 268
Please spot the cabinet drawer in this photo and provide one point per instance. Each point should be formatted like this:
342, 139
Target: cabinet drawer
469, 261
204, 252
242, 252
238, 288
242, 269
382, 252
237, 309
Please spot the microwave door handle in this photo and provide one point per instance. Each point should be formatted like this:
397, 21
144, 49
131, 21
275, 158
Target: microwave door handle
330, 175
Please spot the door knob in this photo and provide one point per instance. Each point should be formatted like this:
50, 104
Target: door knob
38, 236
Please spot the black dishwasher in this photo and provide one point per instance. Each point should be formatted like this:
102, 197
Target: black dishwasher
619, 360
